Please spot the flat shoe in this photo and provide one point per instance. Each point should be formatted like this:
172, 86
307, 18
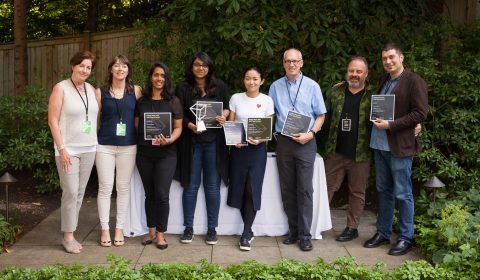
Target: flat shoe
107, 243
71, 247
118, 242
162, 246
401, 248
78, 244
376, 241
306, 245
148, 241
291, 239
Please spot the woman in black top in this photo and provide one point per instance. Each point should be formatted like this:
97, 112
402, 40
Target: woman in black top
157, 157
202, 151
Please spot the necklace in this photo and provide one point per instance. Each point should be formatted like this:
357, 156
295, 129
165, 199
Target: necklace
114, 93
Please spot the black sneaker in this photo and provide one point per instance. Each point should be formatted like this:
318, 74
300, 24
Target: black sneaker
245, 243
211, 237
187, 236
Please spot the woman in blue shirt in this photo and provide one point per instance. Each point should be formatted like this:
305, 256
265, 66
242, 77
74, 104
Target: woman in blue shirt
116, 150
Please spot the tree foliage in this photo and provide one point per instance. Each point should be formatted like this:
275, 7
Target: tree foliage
238, 33
50, 18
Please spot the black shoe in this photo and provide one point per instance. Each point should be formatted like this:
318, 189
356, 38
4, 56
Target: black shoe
401, 248
187, 236
348, 234
306, 245
375, 241
291, 239
245, 243
162, 246
148, 241
211, 237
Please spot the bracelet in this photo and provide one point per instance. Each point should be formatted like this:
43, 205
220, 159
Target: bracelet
61, 148
312, 131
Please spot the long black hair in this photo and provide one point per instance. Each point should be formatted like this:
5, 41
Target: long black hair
210, 80
167, 92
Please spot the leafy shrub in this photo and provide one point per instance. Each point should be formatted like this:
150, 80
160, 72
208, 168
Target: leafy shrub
449, 232
240, 33
8, 232
448, 58
25, 141
341, 268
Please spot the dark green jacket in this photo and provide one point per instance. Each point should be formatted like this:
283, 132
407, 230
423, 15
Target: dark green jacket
334, 102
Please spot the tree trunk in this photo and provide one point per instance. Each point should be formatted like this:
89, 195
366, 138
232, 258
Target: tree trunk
91, 24
20, 45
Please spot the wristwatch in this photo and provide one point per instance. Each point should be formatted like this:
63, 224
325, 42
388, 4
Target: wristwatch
313, 131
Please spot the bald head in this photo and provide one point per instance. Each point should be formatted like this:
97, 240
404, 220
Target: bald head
292, 63
357, 72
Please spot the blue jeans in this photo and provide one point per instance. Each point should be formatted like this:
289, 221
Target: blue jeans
204, 158
394, 185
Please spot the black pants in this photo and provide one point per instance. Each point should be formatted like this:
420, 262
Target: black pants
157, 176
247, 210
295, 164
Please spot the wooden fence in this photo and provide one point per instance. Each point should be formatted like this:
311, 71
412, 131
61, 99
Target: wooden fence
49, 60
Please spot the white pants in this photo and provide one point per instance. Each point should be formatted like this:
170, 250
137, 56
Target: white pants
109, 158
73, 186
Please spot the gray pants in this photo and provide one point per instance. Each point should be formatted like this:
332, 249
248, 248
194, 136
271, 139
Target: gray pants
295, 164
73, 186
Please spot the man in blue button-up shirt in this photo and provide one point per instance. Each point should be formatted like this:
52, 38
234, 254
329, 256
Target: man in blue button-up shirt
296, 154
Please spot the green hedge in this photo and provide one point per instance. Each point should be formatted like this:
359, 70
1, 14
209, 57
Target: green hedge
342, 268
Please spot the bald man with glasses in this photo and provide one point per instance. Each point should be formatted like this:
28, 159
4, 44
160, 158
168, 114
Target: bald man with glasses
296, 153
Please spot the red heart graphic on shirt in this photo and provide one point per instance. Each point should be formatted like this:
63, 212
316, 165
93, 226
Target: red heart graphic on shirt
259, 105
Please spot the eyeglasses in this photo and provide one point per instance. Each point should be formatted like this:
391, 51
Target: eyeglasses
196, 65
288, 62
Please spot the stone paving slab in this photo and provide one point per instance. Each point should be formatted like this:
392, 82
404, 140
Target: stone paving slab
42, 246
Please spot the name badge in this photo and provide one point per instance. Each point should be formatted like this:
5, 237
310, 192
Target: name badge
87, 126
346, 124
121, 129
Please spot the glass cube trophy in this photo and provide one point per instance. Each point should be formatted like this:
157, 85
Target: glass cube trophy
200, 111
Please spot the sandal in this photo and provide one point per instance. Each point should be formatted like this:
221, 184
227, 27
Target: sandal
105, 243
78, 244
71, 246
117, 235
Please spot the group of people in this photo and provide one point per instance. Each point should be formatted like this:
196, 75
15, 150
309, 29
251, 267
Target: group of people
352, 137
117, 143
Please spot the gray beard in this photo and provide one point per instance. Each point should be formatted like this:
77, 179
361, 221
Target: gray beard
355, 85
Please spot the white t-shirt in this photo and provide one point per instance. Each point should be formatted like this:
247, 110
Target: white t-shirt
246, 107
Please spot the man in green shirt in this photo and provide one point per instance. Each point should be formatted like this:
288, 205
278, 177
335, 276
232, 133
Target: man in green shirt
347, 150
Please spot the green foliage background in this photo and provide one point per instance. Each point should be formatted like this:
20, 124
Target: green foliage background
240, 33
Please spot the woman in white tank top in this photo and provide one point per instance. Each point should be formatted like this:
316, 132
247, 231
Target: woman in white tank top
72, 117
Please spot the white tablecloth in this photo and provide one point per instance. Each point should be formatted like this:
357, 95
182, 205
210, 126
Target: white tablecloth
270, 220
